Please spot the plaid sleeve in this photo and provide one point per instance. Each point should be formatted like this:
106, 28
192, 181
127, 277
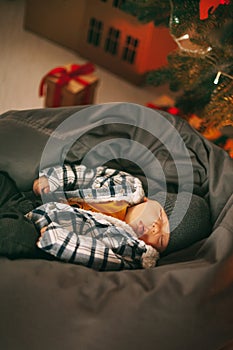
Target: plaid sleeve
68, 177
84, 250
93, 184
77, 236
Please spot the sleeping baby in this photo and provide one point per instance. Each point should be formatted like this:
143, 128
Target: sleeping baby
100, 218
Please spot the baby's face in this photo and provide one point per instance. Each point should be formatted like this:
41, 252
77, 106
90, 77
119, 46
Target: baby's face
150, 222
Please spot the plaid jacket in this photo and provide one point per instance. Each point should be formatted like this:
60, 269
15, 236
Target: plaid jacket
84, 237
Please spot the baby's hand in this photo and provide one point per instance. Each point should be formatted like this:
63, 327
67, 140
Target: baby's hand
41, 185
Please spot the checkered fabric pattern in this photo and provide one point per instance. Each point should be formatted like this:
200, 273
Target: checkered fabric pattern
84, 237
93, 185
77, 236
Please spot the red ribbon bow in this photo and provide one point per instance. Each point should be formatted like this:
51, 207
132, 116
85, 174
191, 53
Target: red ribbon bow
210, 5
64, 76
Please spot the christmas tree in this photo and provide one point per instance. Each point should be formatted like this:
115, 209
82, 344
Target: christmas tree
201, 68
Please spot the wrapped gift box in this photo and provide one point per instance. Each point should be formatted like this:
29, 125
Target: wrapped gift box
70, 85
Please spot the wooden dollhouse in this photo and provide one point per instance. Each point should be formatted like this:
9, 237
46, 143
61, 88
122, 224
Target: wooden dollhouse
102, 33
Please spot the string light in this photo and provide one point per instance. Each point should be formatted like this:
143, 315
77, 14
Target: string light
216, 80
183, 37
185, 44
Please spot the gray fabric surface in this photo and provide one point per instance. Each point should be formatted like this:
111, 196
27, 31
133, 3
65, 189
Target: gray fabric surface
185, 303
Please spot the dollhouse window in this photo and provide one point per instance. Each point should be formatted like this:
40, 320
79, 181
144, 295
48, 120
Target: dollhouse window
112, 41
130, 49
94, 32
118, 3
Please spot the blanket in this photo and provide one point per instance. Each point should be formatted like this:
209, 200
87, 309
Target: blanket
184, 302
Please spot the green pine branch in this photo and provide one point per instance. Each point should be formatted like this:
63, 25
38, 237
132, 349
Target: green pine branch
149, 11
193, 72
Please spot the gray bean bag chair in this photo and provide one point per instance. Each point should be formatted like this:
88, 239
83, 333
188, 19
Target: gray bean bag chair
185, 302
